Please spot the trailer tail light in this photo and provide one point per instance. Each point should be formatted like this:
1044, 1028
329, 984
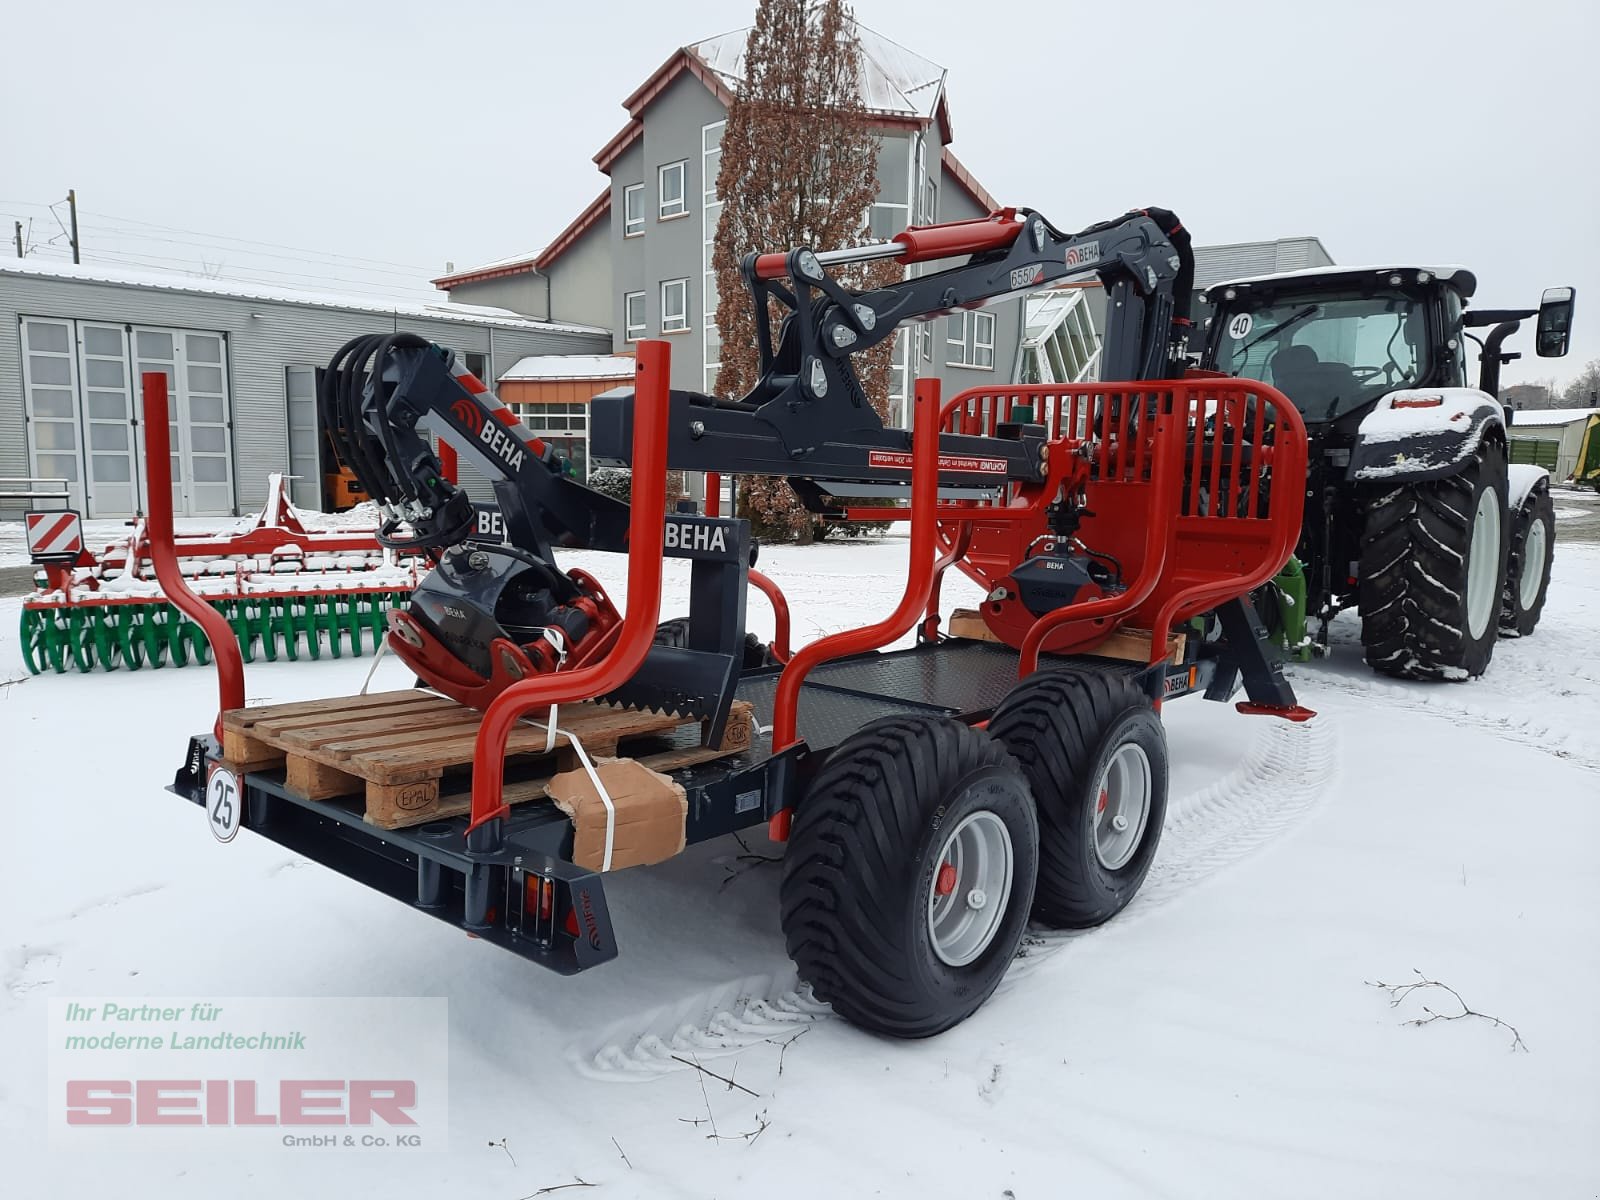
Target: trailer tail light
1419, 402
537, 912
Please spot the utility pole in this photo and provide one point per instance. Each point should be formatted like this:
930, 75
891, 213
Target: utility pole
19, 238
72, 206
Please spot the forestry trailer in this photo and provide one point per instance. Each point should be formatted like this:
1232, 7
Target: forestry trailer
1412, 513
932, 797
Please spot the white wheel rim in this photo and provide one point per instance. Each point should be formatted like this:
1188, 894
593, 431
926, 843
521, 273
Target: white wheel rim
1533, 552
1122, 806
1483, 563
970, 889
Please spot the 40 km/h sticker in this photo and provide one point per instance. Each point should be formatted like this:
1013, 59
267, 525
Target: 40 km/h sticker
224, 804
1240, 326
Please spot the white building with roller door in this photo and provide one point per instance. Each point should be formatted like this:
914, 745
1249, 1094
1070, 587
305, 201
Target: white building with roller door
240, 361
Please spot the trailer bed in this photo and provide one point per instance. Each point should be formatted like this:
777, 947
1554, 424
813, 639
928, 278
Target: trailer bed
528, 895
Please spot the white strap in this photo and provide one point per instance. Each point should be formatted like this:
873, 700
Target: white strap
594, 778
559, 642
383, 647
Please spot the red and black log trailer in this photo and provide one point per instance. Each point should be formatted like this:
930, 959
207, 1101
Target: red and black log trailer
930, 798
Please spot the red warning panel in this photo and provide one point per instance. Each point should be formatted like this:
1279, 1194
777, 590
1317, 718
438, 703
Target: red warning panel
54, 535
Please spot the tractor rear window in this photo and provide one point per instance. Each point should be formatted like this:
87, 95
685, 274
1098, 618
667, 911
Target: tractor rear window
1330, 354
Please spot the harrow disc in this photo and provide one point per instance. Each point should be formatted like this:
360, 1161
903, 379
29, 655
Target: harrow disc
94, 637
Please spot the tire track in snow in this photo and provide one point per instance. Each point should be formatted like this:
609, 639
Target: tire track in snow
1286, 771
1431, 699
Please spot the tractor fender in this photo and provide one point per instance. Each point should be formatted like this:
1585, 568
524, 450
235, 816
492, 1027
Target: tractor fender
1523, 479
1423, 433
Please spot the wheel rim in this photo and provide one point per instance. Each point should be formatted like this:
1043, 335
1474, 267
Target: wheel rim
1123, 808
1483, 562
970, 890
1533, 551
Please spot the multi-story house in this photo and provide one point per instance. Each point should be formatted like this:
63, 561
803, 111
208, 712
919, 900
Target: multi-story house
638, 259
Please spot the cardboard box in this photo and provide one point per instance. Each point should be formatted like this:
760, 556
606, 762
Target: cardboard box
651, 812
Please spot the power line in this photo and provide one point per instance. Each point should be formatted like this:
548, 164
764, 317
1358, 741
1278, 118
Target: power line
124, 234
230, 237
199, 268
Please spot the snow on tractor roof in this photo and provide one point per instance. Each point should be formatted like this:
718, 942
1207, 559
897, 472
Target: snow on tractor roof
1463, 280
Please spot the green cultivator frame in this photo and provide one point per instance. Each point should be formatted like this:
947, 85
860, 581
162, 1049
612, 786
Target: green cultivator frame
283, 589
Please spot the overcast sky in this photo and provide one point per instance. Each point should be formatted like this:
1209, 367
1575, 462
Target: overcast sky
400, 136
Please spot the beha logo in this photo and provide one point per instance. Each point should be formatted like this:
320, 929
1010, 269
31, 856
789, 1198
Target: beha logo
468, 414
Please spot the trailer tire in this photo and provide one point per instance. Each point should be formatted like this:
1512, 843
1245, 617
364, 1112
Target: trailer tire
1533, 549
1078, 735
1428, 611
676, 633
907, 840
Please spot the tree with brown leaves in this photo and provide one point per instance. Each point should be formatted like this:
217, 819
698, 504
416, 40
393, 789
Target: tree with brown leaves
799, 168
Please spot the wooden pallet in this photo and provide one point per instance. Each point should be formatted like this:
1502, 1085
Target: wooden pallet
405, 751
1131, 644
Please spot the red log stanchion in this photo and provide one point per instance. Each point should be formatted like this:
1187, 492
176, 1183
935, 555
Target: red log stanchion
919, 583
646, 523
164, 557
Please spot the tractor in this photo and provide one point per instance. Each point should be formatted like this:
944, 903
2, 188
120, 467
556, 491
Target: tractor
1412, 513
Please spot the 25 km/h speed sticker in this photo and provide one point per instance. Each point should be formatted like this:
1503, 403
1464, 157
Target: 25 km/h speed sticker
223, 803
1240, 326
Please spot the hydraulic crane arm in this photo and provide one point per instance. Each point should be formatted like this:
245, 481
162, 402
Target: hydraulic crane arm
807, 416
488, 615
374, 395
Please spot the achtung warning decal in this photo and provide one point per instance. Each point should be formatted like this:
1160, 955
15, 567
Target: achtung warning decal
967, 464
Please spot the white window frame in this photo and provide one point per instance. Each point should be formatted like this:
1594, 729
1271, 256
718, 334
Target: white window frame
632, 226
969, 339
955, 339
630, 331
710, 217
675, 322
664, 209
983, 340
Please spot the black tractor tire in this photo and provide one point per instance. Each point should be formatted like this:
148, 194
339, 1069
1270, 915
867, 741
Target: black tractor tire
676, 633
1533, 548
864, 859
1414, 571
1066, 727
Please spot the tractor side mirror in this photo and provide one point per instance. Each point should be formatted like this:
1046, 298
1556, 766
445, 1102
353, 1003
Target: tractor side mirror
1555, 322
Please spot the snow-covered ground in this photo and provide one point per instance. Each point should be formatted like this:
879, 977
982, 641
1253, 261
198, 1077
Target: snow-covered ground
1220, 1038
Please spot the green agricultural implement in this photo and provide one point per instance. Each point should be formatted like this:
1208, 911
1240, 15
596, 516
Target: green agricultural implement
286, 591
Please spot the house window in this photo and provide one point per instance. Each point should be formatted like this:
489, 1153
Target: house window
885, 219
564, 426
674, 203
983, 339
674, 305
633, 315
710, 215
476, 363
633, 210
969, 338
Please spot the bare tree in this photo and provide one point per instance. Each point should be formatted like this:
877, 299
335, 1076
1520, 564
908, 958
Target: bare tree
799, 168
1584, 391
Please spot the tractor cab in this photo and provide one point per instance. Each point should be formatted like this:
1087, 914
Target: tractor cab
1337, 341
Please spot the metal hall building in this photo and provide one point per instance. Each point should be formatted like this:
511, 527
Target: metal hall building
240, 361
